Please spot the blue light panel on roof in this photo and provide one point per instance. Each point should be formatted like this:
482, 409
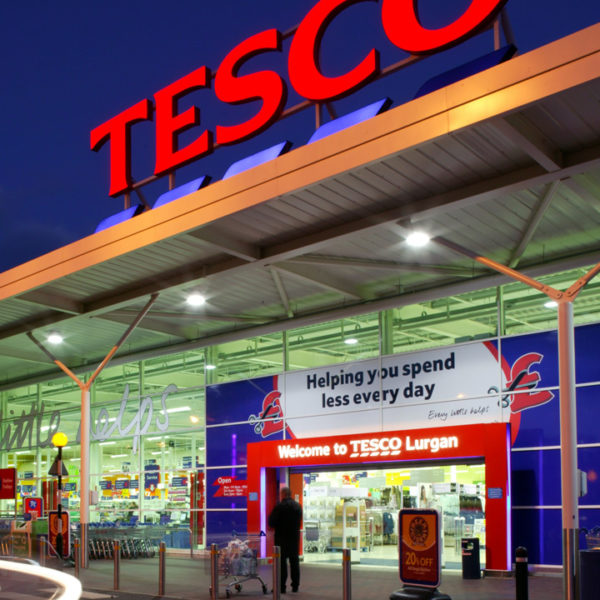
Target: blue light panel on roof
181, 190
120, 217
256, 159
463, 71
353, 118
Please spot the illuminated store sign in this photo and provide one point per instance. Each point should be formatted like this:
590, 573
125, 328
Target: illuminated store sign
380, 447
402, 26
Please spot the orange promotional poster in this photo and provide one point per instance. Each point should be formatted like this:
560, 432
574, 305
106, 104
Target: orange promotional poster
62, 524
419, 547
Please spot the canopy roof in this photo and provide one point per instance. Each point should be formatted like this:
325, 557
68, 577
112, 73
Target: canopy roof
505, 163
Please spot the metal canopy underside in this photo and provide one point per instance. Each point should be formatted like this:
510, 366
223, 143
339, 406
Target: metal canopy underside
506, 164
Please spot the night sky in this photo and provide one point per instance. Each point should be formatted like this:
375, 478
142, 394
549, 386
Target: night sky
70, 65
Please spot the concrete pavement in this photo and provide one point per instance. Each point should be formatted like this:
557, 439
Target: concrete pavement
189, 579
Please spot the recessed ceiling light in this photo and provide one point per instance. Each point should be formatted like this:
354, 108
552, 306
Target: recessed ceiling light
55, 338
417, 239
195, 299
195, 419
210, 367
350, 341
551, 304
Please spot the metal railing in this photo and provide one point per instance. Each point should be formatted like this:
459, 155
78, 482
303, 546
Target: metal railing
276, 573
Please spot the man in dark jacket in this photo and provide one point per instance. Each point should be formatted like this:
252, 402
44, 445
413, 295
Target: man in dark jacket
286, 519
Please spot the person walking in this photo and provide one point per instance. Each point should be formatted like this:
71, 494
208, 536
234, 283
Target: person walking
286, 519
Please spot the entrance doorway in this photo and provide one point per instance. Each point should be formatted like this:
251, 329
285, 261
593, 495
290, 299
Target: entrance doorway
358, 509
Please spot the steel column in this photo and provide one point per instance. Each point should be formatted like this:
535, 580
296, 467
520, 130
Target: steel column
84, 476
84, 472
568, 445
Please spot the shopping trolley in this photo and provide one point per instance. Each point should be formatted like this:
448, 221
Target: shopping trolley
238, 562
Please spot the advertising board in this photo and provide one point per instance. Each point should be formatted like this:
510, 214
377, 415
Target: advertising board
60, 523
419, 547
8, 483
35, 507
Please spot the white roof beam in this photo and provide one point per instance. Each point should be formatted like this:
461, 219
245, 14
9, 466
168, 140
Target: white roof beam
520, 131
13, 352
199, 316
54, 301
535, 220
148, 324
227, 244
359, 263
282, 293
329, 282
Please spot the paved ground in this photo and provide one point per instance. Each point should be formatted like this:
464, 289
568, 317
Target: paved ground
189, 579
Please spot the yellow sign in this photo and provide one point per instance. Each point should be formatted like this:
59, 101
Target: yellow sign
396, 478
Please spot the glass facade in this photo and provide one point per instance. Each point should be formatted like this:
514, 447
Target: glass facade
150, 441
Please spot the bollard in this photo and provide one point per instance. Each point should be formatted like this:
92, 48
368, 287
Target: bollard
521, 574
84, 545
347, 581
76, 557
162, 568
214, 572
117, 564
276, 572
42, 551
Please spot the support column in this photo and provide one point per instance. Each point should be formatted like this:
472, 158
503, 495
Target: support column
84, 436
568, 444
84, 476
386, 332
568, 408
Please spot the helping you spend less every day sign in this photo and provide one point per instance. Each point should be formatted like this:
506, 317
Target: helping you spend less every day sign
430, 388
369, 377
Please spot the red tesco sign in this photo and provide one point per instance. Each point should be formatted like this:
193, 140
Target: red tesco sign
400, 22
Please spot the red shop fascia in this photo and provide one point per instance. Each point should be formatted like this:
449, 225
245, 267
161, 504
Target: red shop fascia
489, 442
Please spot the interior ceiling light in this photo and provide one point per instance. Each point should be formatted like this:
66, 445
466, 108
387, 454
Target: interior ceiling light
210, 367
195, 299
195, 419
177, 409
551, 304
55, 338
417, 239
350, 341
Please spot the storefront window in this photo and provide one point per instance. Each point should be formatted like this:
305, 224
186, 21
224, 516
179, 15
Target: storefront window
245, 359
334, 342
112, 381
185, 370
447, 321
